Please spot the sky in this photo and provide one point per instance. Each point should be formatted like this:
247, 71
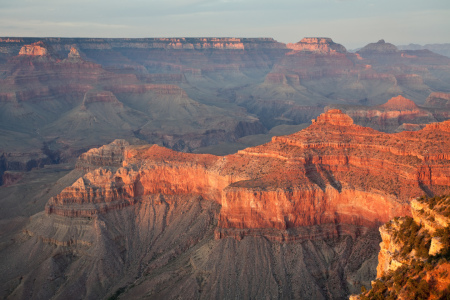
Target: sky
353, 23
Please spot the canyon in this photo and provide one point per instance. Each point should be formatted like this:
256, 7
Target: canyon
202, 91
207, 168
144, 220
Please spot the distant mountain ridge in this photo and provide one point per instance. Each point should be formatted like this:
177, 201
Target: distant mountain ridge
443, 49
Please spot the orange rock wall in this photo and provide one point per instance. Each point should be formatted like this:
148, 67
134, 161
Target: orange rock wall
36, 49
333, 172
321, 45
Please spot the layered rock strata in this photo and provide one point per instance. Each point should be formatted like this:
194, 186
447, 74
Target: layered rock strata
333, 172
438, 100
35, 49
319, 45
397, 114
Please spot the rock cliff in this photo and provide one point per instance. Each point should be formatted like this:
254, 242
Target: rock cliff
398, 114
319, 45
35, 49
305, 179
413, 259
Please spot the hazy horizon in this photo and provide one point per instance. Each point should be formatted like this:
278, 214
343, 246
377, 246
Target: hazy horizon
352, 23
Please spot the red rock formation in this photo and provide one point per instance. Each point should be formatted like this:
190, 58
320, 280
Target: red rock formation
334, 117
110, 155
399, 103
333, 172
74, 53
35, 49
398, 114
318, 45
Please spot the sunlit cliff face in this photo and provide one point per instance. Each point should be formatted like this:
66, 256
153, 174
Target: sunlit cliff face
333, 172
318, 45
36, 49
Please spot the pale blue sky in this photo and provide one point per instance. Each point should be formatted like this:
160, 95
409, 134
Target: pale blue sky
353, 23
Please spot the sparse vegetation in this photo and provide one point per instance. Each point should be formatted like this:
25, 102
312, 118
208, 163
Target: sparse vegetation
442, 204
408, 281
413, 280
413, 238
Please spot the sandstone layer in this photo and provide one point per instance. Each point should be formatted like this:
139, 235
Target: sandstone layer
309, 178
397, 114
320, 45
35, 49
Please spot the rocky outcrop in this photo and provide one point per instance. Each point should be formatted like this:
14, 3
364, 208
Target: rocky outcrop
75, 54
318, 45
110, 155
431, 215
413, 259
334, 117
379, 47
309, 178
438, 100
397, 114
35, 49
399, 103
